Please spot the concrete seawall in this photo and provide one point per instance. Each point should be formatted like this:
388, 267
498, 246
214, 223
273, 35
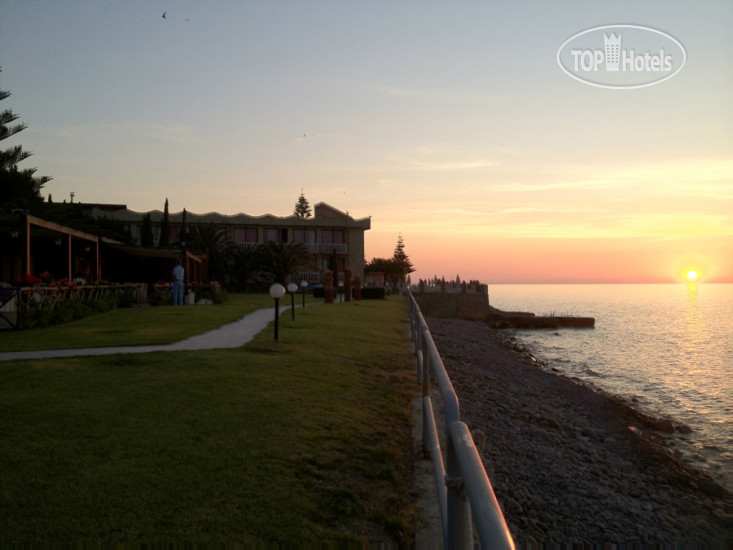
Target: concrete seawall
471, 305
474, 306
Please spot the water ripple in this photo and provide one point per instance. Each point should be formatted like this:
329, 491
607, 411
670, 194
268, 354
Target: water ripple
670, 346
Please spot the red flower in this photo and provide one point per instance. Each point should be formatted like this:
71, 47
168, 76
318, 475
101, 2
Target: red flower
27, 280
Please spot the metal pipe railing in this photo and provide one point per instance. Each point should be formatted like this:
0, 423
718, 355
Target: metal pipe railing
492, 530
432, 445
464, 489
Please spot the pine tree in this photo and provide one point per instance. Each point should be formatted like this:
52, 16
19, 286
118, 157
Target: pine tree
165, 227
401, 260
302, 208
18, 188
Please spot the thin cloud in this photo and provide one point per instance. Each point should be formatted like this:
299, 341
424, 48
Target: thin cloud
452, 165
676, 224
710, 176
433, 94
174, 133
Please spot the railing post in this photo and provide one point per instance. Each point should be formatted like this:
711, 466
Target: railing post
426, 364
416, 339
425, 383
491, 526
458, 535
411, 317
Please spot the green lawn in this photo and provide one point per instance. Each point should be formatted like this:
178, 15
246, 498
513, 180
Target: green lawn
303, 440
134, 326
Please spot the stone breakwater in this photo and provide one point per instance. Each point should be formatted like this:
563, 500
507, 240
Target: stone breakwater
570, 465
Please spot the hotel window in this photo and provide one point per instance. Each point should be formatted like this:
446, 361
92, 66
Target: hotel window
332, 236
276, 235
245, 235
304, 236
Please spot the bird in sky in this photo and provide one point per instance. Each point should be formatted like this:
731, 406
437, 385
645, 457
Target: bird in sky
164, 17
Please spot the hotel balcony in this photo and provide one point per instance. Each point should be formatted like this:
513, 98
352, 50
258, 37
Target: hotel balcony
331, 248
310, 276
311, 247
317, 277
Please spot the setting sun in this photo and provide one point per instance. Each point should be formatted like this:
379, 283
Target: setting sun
691, 275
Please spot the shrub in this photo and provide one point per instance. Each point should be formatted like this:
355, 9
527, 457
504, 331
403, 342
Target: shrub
34, 314
105, 303
217, 295
126, 299
220, 297
373, 293
68, 310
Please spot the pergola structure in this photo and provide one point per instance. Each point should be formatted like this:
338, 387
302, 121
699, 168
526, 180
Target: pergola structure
33, 245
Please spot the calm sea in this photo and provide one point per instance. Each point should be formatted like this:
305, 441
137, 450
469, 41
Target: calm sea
668, 346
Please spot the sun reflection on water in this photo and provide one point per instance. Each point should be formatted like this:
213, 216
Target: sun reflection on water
694, 330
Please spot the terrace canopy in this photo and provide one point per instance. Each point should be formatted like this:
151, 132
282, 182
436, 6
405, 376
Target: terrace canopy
31, 245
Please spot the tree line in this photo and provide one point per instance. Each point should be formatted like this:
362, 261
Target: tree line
396, 269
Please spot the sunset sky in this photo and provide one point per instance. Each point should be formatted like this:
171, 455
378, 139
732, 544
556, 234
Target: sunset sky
451, 124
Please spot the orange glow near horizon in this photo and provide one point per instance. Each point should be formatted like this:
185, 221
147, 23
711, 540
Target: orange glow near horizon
534, 260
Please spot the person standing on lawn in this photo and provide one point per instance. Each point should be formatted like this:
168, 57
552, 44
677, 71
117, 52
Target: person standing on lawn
178, 284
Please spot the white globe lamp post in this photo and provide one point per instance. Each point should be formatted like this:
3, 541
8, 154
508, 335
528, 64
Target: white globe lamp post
292, 289
277, 291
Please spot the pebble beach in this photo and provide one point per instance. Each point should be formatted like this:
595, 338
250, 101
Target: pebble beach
570, 465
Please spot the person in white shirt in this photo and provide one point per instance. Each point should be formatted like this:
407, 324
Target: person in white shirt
178, 284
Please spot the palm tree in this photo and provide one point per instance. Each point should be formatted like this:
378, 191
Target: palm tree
281, 260
221, 252
244, 266
20, 188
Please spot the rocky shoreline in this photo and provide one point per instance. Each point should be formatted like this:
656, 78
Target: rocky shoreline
568, 464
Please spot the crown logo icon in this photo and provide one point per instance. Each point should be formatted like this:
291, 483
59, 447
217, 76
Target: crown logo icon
613, 51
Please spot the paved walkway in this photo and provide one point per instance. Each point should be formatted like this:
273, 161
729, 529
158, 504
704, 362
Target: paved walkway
236, 334
233, 335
